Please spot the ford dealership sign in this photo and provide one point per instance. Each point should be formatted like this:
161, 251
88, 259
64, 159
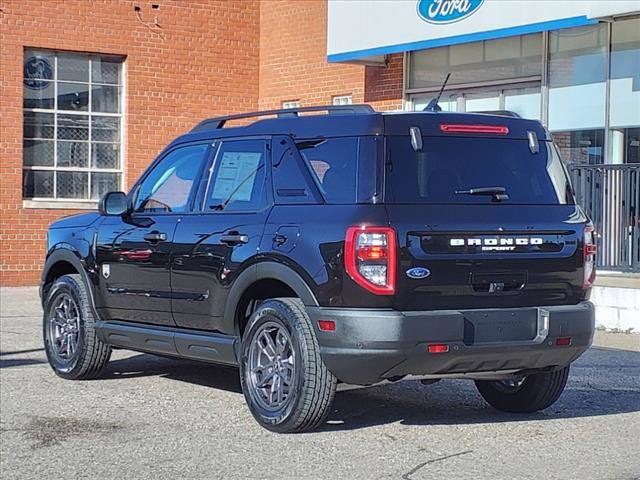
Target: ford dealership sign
447, 11
366, 31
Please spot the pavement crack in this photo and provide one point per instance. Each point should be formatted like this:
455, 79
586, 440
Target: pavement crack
407, 476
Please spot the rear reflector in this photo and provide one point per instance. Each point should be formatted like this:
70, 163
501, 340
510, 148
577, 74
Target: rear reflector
468, 128
438, 348
563, 341
327, 325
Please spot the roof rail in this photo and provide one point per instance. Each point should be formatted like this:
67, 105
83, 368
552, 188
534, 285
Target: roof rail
501, 113
219, 122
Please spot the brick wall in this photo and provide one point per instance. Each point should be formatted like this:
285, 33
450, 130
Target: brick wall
201, 61
205, 58
293, 62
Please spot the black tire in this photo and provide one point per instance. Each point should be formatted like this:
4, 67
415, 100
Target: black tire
535, 392
313, 389
90, 355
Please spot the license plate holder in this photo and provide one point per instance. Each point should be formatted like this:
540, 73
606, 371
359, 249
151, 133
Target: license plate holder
523, 325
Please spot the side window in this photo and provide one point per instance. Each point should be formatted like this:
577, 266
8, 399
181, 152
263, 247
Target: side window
334, 162
238, 176
168, 186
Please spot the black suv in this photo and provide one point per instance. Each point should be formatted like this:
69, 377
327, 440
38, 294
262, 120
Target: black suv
335, 244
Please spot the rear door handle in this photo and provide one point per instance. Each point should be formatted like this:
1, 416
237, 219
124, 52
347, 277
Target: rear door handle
234, 238
155, 237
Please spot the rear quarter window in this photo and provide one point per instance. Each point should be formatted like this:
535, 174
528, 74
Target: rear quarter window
334, 163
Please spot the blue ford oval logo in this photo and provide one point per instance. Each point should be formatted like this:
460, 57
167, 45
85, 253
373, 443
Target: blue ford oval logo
447, 11
418, 272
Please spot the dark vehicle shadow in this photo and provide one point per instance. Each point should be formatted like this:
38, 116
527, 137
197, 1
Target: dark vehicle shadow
602, 382
20, 362
198, 373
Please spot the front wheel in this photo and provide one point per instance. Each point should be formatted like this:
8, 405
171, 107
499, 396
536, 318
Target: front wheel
285, 382
72, 346
527, 394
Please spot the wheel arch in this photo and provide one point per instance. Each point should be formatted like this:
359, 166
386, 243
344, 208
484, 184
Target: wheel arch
63, 261
274, 277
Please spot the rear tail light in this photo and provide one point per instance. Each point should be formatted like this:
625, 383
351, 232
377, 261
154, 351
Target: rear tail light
370, 258
470, 128
589, 254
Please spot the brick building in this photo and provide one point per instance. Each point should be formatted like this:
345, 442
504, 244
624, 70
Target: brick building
92, 90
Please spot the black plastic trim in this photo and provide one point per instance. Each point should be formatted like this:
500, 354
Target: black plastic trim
370, 345
195, 345
68, 256
264, 271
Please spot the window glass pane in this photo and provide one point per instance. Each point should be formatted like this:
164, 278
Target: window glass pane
449, 164
625, 73
335, 164
106, 70
73, 127
73, 96
38, 125
105, 129
73, 154
38, 66
39, 96
448, 103
37, 184
580, 147
239, 176
105, 155
105, 99
625, 145
38, 152
72, 184
499, 59
102, 183
73, 67
63, 139
577, 73
168, 185
524, 101
482, 102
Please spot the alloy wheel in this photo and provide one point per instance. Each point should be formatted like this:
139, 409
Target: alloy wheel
64, 328
271, 372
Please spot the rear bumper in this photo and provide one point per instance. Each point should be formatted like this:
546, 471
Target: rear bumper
369, 346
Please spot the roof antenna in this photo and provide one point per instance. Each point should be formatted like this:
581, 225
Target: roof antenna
433, 106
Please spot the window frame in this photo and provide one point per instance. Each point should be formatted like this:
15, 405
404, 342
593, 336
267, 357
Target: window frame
69, 202
193, 193
211, 169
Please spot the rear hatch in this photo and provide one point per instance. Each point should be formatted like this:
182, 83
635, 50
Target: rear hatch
484, 220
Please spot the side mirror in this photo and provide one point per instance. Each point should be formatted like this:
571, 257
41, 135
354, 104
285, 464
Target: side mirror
113, 203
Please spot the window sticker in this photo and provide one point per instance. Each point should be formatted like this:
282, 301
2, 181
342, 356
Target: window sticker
236, 168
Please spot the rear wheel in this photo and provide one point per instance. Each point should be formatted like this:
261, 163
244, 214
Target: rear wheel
285, 382
68, 329
527, 394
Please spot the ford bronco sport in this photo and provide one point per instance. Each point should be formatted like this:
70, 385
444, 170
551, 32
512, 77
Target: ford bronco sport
335, 244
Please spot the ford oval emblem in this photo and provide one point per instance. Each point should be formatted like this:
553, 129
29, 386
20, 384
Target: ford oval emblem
418, 272
447, 11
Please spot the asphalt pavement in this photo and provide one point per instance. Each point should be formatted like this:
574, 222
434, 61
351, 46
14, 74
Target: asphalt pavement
158, 418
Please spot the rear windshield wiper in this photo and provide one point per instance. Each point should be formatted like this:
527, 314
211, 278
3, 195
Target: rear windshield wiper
498, 193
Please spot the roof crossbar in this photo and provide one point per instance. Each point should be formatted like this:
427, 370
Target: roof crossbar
219, 122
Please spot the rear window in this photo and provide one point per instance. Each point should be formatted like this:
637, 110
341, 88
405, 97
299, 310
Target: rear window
446, 165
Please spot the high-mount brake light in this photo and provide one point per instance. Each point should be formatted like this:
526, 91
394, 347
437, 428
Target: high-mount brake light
370, 258
589, 250
471, 128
